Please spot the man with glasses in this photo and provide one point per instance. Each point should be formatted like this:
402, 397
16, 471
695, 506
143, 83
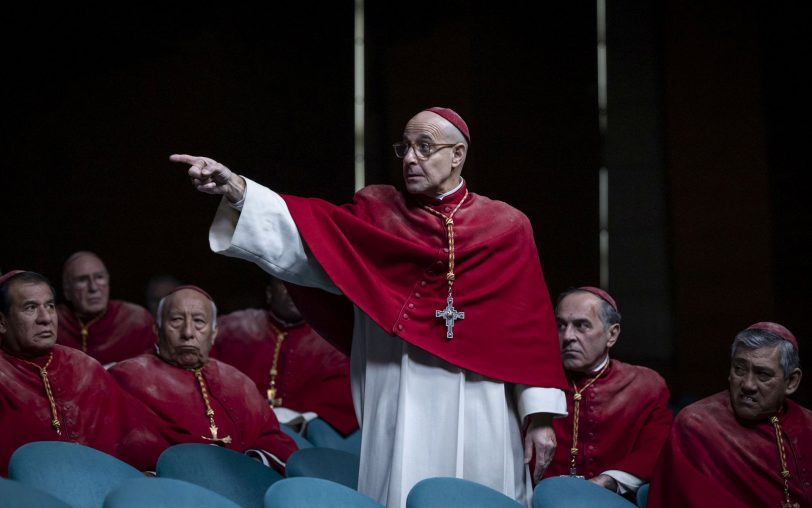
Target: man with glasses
454, 342
108, 330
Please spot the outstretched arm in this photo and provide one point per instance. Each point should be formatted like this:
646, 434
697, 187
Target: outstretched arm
211, 177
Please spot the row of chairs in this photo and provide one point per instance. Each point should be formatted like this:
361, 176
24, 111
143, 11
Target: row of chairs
58, 474
320, 434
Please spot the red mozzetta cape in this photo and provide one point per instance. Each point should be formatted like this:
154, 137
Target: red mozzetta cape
388, 256
125, 330
312, 374
624, 421
92, 409
711, 459
174, 395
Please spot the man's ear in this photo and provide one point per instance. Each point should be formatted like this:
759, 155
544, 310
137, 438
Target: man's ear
3, 324
614, 333
458, 154
794, 382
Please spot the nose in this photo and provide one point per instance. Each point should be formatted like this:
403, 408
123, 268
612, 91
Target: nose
567, 335
411, 154
44, 315
748, 383
188, 331
92, 285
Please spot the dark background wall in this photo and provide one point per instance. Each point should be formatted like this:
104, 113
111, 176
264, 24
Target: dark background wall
709, 227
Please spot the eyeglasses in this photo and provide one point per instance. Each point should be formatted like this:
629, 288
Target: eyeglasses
98, 279
422, 149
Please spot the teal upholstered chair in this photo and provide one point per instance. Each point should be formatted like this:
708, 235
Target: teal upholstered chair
164, 493
315, 493
456, 493
13, 493
326, 463
74, 473
301, 441
642, 496
229, 473
566, 492
321, 434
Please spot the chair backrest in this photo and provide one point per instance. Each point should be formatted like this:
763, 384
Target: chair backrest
575, 493
13, 493
445, 492
229, 473
164, 493
315, 493
74, 473
321, 434
326, 463
300, 440
642, 496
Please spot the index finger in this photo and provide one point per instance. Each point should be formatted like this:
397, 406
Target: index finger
188, 159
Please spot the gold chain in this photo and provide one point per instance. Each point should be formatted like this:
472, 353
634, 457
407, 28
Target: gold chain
448, 220
576, 406
209, 411
43, 372
85, 332
280, 336
782, 456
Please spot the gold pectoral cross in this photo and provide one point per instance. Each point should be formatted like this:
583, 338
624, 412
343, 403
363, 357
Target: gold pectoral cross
273, 400
214, 439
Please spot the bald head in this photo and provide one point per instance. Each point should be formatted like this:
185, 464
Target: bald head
186, 326
436, 154
86, 284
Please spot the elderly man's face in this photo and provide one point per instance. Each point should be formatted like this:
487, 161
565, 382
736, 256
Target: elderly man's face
758, 387
87, 285
435, 174
29, 328
581, 334
187, 333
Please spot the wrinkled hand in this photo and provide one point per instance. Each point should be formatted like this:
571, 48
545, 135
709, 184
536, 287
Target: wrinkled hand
605, 481
540, 438
211, 177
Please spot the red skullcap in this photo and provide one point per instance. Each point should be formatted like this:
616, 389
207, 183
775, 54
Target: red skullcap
193, 288
455, 119
600, 293
775, 329
6, 276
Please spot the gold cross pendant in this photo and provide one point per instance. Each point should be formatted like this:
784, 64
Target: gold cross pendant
218, 441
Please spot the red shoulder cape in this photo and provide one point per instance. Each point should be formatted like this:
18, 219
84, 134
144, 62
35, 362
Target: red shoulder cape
92, 409
173, 394
624, 421
124, 331
387, 255
312, 374
711, 459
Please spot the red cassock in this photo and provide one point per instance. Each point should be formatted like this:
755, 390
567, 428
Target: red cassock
312, 374
174, 394
125, 330
91, 408
389, 256
624, 421
712, 459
